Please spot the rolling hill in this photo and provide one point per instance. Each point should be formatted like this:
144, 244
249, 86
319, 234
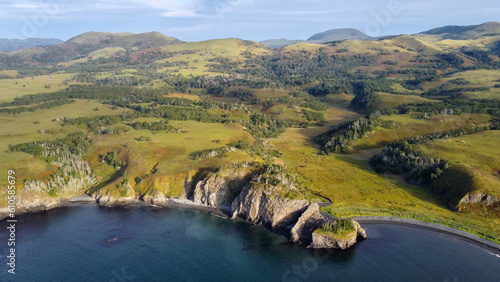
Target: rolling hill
277, 43
125, 40
339, 34
83, 45
465, 32
8, 45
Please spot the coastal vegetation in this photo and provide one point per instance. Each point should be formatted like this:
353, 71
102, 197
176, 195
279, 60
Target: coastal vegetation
403, 126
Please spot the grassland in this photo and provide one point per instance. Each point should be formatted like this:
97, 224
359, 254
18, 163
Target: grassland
26, 128
200, 54
356, 190
411, 126
169, 153
12, 88
165, 161
192, 97
386, 100
477, 154
476, 79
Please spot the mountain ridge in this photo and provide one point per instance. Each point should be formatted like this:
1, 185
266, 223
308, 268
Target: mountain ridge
9, 45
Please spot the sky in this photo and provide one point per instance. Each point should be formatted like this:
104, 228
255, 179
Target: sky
197, 20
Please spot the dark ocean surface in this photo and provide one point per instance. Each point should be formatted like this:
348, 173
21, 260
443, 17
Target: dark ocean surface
89, 243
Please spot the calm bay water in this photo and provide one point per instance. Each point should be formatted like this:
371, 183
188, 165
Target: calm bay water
78, 244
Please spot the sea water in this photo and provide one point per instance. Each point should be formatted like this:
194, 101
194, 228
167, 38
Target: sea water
89, 243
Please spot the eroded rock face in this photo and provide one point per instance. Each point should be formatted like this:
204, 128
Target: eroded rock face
323, 241
218, 190
106, 200
262, 206
309, 221
157, 198
38, 205
477, 198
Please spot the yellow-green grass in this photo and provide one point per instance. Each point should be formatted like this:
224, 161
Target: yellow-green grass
399, 88
106, 52
192, 97
77, 61
12, 88
286, 112
477, 78
479, 153
333, 116
270, 93
101, 53
355, 190
483, 77
22, 129
492, 93
169, 152
476, 43
203, 51
303, 46
386, 100
414, 43
342, 235
11, 73
125, 71
411, 126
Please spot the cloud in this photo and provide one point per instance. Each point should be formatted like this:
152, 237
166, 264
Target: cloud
163, 8
298, 13
181, 14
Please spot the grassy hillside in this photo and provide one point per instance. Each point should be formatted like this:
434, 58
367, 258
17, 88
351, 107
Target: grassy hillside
12, 88
465, 32
152, 113
339, 34
477, 156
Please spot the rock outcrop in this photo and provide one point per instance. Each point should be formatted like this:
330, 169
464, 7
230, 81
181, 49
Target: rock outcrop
156, 198
477, 198
220, 190
33, 204
309, 221
261, 205
107, 200
326, 240
38, 205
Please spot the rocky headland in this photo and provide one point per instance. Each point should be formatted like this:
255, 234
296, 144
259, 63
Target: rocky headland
268, 199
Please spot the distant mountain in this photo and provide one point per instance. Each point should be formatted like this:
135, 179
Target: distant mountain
465, 32
339, 34
124, 39
82, 45
327, 36
8, 45
277, 43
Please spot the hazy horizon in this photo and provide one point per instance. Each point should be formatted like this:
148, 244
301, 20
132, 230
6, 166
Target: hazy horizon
197, 20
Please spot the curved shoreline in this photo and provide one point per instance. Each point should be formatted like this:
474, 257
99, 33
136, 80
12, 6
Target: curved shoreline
459, 234
470, 238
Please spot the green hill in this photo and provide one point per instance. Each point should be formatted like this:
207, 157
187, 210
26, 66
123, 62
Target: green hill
277, 43
141, 40
339, 34
465, 32
83, 45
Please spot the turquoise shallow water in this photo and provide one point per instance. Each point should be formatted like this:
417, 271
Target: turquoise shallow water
77, 244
